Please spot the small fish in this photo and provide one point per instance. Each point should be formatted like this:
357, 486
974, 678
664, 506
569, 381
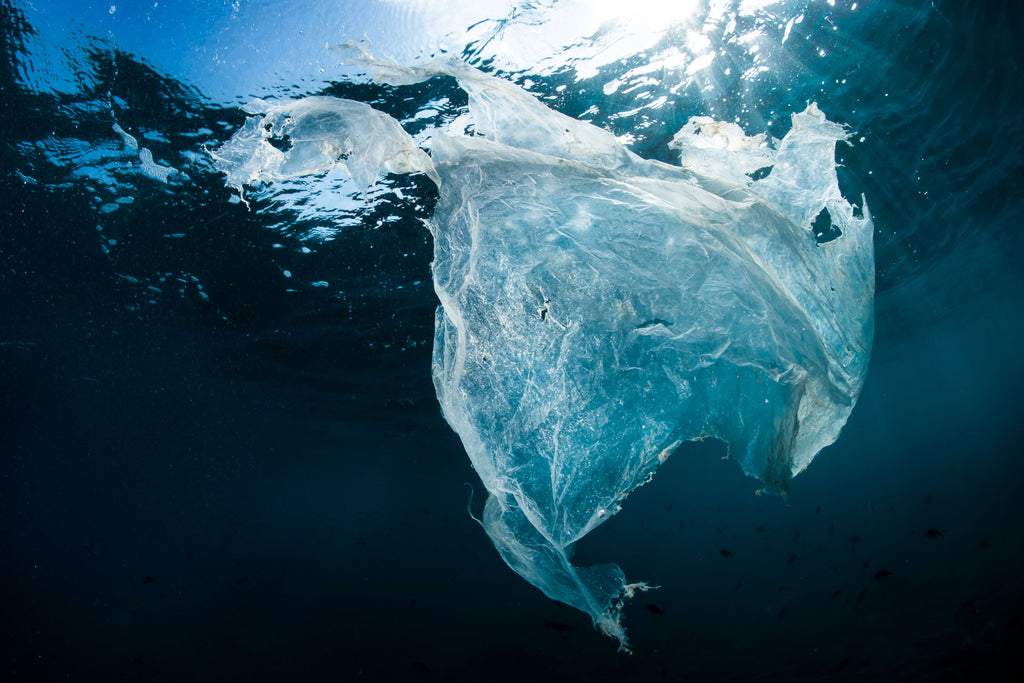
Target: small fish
860, 596
933, 533
653, 609
724, 553
854, 539
760, 527
819, 511
835, 594
792, 559
882, 573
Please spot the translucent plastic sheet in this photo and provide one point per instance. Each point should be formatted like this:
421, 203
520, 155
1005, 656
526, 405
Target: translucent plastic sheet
597, 309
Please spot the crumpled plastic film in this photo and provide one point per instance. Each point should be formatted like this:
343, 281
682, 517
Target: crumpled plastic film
598, 309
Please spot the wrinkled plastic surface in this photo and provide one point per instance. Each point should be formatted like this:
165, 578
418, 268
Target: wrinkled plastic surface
298, 137
598, 309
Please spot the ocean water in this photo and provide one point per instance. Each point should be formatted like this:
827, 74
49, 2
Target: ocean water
221, 455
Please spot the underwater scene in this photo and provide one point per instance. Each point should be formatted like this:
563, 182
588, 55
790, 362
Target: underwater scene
504, 340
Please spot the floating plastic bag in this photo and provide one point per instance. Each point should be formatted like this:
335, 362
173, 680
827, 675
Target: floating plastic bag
598, 310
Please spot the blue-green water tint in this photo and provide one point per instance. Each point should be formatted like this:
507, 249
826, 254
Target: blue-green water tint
215, 466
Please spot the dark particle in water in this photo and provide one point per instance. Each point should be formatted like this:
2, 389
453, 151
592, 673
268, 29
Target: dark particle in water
933, 533
882, 573
653, 609
725, 553
559, 626
146, 580
792, 559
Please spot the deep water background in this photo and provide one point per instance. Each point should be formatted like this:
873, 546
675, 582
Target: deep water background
221, 457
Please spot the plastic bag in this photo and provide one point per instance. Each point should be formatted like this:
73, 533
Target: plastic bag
598, 309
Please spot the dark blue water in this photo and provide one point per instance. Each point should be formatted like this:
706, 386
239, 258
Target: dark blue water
221, 456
